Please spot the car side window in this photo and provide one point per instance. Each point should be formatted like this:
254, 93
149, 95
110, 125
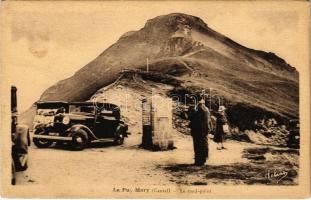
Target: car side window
88, 109
110, 114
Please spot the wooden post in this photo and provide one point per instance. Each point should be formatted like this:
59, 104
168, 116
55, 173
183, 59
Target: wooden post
219, 102
147, 64
210, 99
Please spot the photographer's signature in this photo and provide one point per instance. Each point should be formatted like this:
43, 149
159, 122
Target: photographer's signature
276, 175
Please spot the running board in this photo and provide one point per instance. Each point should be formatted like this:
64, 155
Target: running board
57, 138
52, 137
104, 140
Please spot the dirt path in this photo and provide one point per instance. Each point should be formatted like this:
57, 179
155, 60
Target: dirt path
128, 164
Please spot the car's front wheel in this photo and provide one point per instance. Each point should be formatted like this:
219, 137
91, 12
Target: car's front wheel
41, 143
80, 140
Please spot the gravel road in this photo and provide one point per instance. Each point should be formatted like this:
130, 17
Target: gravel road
103, 163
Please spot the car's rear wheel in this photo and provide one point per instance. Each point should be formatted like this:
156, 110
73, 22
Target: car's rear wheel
80, 140
119, 139
41, 143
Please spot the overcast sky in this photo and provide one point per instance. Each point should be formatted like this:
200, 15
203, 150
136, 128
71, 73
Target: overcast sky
46, 42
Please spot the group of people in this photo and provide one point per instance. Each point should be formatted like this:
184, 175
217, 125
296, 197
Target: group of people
201, 125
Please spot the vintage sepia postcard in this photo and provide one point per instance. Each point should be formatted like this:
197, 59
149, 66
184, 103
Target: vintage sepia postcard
155, 99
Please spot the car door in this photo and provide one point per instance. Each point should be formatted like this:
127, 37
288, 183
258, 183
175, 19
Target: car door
105, 125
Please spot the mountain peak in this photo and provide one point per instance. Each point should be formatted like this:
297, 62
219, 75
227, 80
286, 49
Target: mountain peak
174, 20
179, 42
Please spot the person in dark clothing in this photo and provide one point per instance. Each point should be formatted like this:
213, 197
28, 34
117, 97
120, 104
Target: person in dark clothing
19, 150
221, 120
199, 125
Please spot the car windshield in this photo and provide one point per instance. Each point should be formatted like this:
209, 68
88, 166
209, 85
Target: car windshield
46, 112
44, 116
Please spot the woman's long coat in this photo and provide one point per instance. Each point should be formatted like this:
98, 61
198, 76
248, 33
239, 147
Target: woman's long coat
221, 119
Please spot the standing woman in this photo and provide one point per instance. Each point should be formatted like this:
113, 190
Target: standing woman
221, 127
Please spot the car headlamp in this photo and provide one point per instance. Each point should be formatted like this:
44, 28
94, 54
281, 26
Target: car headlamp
66, 120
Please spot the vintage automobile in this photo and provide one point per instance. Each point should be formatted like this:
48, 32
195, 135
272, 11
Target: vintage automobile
78, 124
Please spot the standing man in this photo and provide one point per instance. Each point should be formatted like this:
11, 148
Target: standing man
199, 125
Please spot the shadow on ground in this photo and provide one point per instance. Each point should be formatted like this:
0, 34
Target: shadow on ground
95, 145
265, 166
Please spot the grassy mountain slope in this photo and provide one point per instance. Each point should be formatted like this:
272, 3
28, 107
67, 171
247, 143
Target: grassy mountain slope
180, 44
